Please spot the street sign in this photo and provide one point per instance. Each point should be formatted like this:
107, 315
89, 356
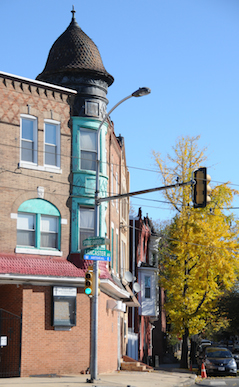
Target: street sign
95, 241
98, 251
96, 258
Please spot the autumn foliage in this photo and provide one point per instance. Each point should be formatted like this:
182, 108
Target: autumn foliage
199, 259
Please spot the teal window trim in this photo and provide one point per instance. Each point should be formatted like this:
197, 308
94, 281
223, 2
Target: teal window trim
87, 124
39, 207
87, 230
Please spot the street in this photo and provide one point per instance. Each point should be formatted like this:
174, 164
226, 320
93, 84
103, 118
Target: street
219, 381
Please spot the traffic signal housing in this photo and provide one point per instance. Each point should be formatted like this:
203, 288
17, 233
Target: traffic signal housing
201, 189
89, 281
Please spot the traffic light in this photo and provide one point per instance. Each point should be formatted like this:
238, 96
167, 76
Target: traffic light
89, 281
201, 189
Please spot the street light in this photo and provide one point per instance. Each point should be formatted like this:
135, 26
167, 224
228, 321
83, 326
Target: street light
94, 322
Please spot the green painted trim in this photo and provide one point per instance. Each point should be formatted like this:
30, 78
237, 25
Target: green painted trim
83, 191
39, 206
87, 123
74, 225
90, 123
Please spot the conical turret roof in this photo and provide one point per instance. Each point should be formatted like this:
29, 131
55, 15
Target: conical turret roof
74, 52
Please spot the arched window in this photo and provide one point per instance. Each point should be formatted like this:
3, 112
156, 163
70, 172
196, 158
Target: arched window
38, 225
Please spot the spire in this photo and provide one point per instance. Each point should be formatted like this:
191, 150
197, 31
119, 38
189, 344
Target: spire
74, 52
73, 13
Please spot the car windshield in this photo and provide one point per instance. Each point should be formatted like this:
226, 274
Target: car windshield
218, 353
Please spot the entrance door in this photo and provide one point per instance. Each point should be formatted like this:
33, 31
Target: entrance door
10, 344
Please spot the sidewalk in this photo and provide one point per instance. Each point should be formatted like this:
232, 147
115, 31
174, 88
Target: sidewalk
170, 378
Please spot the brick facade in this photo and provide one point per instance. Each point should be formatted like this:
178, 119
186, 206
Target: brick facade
20, 184
45, 350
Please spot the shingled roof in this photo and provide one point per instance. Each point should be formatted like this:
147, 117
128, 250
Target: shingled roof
75, 52
36, 265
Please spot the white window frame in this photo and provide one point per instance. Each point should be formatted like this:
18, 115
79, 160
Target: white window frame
55, 231
116, 191
35, 142
112, 234
23, 215
58, 143
90, 230
90, 151
147, 289
36, 249
112, 182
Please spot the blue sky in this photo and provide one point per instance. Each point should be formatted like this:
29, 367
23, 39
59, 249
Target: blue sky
186, 51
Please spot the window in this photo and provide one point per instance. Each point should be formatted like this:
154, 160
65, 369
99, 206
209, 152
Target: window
38, 225
116, 188
64, 307
86, 224
124, 208
147, 287
52, 143
26, 229
29, 235
28, 139
123, 258
112, 246
112, 181
88, 149
116, 250
49, 232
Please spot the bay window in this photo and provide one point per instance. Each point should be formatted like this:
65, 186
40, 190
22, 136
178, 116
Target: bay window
88, 149
86, 229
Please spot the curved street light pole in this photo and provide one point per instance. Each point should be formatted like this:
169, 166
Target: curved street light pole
138, 93
94, 322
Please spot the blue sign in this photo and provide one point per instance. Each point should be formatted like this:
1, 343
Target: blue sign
102, 252
96, 258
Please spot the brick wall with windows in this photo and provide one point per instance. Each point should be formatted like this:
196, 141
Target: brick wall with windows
35, 199
46, 351
35, 152
117, 210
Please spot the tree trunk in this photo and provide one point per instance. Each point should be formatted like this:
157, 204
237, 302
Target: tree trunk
184, 354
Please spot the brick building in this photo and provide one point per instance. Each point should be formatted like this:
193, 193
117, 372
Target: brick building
144, 269
48, 132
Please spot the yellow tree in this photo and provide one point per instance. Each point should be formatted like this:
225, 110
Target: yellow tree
201, 260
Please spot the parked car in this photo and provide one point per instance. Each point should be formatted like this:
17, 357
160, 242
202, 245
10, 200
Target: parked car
235, 354
218, 361
205, 342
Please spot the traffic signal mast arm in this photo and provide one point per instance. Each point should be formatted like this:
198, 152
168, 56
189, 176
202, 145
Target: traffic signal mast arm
129, 194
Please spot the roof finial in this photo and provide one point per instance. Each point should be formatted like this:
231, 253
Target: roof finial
73, 12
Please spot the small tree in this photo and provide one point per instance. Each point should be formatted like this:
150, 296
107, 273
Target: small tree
200, 261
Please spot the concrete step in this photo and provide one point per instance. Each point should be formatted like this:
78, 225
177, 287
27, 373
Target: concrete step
133, 366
